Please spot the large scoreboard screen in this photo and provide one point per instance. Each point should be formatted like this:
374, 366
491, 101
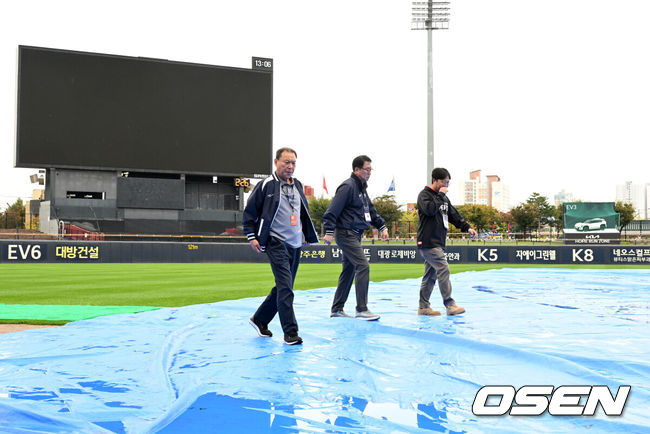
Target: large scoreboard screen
97, 111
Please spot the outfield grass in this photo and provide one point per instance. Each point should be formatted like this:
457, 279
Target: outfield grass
168, 285
172, 285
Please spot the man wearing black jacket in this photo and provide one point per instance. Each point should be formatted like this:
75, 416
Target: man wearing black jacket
435, 213
276, 222
349, 215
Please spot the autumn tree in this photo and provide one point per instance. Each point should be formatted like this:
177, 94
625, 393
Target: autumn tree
480, 217
317, 207
408, 223
13, 216
525, 217
388, 209
626, 211
543, 211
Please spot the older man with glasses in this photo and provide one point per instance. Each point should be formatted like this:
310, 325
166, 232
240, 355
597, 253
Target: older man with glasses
349, 215
277, 222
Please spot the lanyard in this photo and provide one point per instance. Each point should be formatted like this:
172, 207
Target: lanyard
366, 206
365, 200
286, 188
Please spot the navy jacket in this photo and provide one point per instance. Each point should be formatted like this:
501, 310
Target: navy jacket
346, 211
433, 209
262, 207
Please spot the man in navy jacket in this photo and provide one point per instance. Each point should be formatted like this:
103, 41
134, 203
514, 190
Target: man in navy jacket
349, 215
276, 221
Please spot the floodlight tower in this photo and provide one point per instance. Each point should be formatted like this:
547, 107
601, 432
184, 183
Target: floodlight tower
429, 16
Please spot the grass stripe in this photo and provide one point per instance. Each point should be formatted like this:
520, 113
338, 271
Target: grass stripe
44, 312
170, 285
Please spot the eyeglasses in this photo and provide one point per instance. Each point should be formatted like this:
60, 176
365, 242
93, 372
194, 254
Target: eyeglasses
367, 169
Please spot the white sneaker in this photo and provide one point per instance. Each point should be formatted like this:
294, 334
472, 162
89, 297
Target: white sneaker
366, 315
339, 314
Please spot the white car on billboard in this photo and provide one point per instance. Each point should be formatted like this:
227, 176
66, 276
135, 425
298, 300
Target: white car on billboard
595, 224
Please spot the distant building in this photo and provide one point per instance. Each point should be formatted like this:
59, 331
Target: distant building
489, 191
309, 191
32, 209
563, 197
410, 207
500, 194
468, 192
637, 195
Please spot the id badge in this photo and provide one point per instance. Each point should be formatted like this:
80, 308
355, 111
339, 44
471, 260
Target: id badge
367, 216
294, 219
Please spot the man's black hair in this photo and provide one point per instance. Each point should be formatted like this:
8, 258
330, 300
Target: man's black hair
439, 173
279, 152
360, 161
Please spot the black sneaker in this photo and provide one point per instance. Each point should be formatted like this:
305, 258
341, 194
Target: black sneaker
292, 339
261, 329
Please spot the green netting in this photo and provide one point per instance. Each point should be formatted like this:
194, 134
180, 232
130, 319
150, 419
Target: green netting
43, 312
584, 216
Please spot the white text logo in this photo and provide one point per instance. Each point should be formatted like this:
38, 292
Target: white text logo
27, 251
535, 400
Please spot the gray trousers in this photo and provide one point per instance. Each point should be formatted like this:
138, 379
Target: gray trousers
435, 268
355, 267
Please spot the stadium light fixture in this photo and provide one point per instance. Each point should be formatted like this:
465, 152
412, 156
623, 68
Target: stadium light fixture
37, 178
429, 16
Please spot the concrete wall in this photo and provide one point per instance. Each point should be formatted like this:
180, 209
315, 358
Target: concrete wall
64, 180
46, 223
140, 203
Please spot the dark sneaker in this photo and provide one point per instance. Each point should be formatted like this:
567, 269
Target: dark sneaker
292, 339
453, 309
339, 314
261, 329
366, 315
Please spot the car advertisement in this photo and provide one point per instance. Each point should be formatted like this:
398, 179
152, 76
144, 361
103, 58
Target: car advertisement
591, 222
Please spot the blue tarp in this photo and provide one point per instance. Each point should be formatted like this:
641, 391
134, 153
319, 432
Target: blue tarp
203, 369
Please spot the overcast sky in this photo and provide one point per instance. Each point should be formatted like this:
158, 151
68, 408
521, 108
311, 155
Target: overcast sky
548, 95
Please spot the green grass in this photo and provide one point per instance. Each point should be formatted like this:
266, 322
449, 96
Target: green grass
159, 284
168, 285
32, 321
171, 285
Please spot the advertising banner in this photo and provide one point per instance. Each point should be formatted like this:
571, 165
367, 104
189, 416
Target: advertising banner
591, 223
20, 251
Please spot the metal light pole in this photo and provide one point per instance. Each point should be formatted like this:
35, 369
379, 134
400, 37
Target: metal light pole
429, 16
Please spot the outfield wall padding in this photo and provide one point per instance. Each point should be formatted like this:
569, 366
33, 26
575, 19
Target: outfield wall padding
13, 251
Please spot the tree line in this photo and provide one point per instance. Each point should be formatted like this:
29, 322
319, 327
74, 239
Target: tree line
535, 214
13, 216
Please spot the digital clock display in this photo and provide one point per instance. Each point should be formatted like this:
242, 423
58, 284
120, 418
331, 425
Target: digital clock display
263, 63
